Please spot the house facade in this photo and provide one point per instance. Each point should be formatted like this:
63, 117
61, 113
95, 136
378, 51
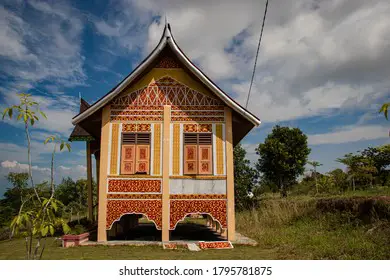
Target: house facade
163, 141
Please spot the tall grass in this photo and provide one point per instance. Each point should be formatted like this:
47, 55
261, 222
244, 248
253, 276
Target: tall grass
299, 229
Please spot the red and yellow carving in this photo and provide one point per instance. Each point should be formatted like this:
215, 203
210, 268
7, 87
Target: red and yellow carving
137, 113
197, 113
194, 107
179, 209
166, 91
191, 127
136, 118
133, 196
205, 127
133, 127
150, 208
143, 127
129, 127
167, 62
115, 185
215, 245
135, 108
198, 119
197, 196
202, 127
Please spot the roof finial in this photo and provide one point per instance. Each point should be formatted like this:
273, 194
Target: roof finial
80, 95
167, 28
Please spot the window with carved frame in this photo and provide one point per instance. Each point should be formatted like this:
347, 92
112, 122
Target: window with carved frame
198, 156
135, 154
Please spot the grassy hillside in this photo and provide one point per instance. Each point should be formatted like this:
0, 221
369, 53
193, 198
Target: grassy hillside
300, 227
321, 228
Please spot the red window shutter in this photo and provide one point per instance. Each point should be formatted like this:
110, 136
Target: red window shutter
143, 159
190, 159
128, 159
205, 159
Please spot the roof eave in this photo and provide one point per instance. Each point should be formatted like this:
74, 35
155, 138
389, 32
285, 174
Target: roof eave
95, 107
214, 89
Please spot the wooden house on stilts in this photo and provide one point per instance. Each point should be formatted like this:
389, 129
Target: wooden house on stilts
163, 142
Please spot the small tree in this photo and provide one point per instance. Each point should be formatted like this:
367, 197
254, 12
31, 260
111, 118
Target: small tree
40, 219
11, 202
339, 178
315, 164
385, 109
352, 162
379, 157
283, 156
28, 111
244, 177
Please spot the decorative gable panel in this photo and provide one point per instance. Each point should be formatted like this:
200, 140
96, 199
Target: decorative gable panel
146, 104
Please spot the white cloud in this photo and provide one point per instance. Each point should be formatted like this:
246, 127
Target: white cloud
40, 42
41, 174
315, 57
78, 169
348, 134
59, 109
106, 29
15, 166
64, 168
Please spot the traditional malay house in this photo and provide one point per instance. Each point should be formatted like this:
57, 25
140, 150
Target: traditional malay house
163, 141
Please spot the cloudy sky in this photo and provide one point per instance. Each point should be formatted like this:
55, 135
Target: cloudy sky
323, 66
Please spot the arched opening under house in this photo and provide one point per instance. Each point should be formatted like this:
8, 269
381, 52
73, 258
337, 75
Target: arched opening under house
198, 227
134, 227
193, 227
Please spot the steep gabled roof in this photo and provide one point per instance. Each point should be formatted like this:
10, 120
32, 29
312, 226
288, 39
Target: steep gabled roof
167, 40
79, 133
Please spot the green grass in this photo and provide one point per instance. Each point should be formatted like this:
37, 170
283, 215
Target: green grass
368, 192
298, 230
15, 250
292, 228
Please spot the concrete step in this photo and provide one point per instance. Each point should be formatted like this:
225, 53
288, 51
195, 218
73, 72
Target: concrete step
193, 247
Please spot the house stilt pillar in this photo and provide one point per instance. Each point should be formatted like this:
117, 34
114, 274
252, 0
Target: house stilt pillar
231, 227
89, 182
97, 161
165, 173
102, 189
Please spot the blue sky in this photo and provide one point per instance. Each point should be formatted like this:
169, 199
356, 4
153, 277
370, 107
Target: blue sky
323, 66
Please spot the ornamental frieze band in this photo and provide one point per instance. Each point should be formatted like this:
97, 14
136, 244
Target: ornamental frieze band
115, 185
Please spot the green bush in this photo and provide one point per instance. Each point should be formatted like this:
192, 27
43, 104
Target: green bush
78, 229
4, 233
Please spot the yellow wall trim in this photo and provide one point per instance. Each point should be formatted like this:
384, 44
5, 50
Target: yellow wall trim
165, 173
219, 148
157, 149
102, 189
231, 234
176, 150
114, 149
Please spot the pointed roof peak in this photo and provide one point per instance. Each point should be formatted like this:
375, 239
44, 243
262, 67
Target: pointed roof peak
84, 105
167, 29
167, 40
